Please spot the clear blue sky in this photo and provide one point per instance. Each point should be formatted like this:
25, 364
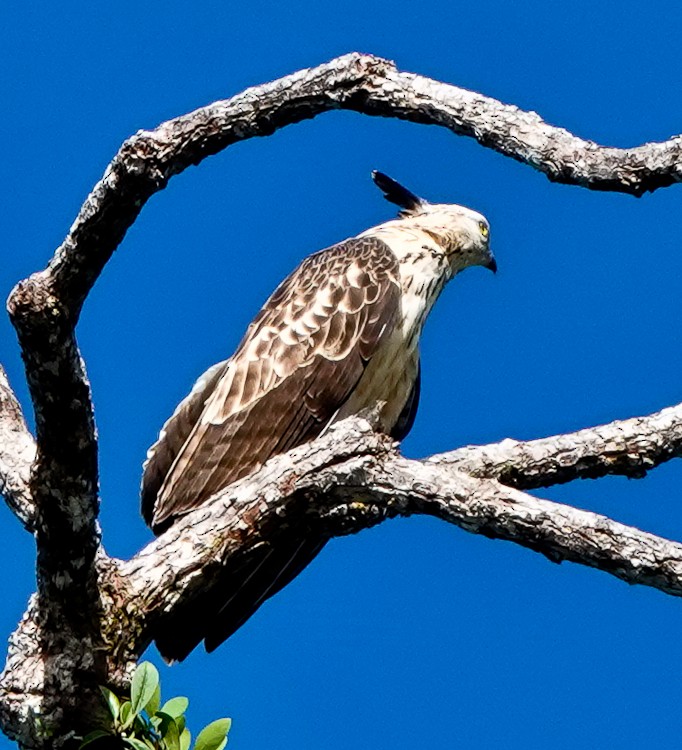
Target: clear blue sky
414, 634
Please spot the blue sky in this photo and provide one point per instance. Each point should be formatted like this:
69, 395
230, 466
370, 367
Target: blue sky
414, 634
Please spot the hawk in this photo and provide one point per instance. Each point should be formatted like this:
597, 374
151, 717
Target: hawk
337, 336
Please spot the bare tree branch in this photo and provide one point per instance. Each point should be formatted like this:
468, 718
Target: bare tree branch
45, 308
17, 453
347, 481
93, 616
64, 479
363, 83
353, 479
628, 447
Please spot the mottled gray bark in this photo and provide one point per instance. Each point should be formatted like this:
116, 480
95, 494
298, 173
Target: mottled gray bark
92, 616
628, 447
353, 479
17, 453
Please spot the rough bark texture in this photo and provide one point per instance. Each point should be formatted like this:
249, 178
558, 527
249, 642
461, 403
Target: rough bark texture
628, 447
17, 453
92, 615
353, 479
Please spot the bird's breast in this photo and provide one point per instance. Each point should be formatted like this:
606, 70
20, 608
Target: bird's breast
391, 373
388, 378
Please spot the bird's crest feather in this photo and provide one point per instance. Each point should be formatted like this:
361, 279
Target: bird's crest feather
396, 193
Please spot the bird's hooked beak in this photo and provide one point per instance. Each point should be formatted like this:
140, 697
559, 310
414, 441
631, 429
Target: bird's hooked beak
491, 265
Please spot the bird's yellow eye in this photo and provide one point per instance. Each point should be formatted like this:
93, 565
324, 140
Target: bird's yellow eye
484, 228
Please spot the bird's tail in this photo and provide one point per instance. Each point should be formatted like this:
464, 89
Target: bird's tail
218, 611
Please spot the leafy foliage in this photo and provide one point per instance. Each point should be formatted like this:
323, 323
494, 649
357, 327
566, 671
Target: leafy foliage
141, 723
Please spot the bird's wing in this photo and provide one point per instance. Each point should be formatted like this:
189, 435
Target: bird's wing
407, 416
297, 364
173, 434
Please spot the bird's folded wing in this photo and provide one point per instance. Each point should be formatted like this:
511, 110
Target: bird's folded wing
297, 364
174, 432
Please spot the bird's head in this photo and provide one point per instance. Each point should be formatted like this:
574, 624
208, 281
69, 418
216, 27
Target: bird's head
463, 234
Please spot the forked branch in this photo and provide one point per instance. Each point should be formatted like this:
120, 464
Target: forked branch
94, 615
352, 479
46, 307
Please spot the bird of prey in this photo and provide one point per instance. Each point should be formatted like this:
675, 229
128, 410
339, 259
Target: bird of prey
337, 336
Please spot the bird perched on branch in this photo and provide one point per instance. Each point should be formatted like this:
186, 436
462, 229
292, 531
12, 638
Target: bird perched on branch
338, 336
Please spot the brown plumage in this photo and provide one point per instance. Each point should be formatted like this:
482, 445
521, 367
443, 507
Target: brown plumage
338, 335
296, 365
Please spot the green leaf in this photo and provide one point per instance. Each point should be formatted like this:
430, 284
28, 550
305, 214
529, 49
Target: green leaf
143, 687
96, 735
185, 739
214, 735
172, 737
112, 702
181, 721
161, 722
154, 702
125, 715
176, 706
135, 743
222, 744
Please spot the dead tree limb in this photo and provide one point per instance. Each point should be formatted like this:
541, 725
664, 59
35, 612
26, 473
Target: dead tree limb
629, 447
353, 479
92, 615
